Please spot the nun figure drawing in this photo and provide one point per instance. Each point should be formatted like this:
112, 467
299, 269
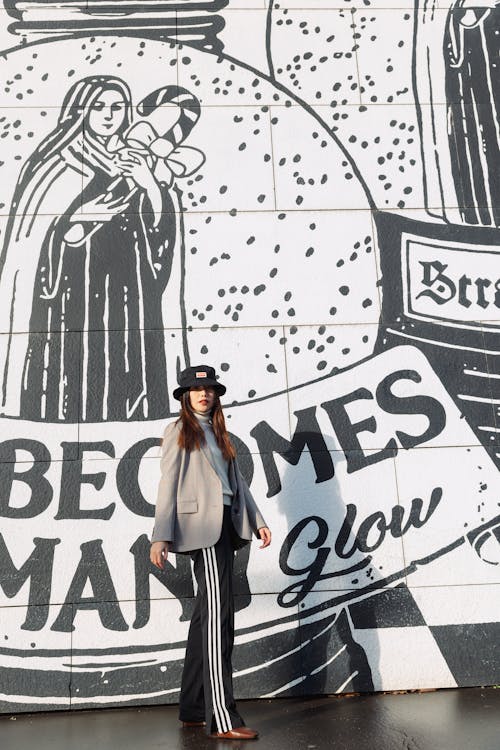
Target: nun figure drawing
91, 238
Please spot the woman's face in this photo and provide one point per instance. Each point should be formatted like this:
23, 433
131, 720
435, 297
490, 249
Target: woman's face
202, 398
107, 113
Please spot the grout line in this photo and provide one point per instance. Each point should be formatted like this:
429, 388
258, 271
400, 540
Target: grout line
80, 369
487, 357
256, 454
346, 6
172, 598
355, 42
269, 35
219, 327
285, 345
403, 507
378, 268
71, 658
253, 105
407, 211
274, 211
177, 48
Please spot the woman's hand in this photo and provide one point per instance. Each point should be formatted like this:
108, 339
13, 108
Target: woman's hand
134, 165
102, 208
265, 535
158, 554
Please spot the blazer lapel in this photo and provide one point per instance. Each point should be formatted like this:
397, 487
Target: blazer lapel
233, 481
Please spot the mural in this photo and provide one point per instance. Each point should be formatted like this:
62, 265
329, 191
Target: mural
304, 197
115, 191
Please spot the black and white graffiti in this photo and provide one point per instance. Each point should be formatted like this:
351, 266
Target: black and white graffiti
306, 198
101, 264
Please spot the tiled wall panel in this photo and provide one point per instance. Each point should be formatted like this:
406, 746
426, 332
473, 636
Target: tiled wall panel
303, 194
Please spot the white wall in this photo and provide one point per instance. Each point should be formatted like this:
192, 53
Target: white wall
303, 247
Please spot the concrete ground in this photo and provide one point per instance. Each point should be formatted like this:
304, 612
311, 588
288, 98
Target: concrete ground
466, 719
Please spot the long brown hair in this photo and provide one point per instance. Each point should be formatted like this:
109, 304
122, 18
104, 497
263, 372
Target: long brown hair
192, 437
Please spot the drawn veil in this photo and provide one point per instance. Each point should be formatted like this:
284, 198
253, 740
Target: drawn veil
81, 299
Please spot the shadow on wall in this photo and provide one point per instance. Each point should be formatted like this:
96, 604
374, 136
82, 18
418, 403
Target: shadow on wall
311, 648
331, 659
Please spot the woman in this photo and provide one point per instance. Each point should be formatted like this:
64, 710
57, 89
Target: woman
90, 241
205, 508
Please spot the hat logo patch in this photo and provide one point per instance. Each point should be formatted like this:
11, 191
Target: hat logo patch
201, 374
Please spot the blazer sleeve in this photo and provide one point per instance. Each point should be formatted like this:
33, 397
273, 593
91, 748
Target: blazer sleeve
166, 503
255, 517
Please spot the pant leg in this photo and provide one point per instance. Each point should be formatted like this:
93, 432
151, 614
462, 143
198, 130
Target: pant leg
192, 698
213, 569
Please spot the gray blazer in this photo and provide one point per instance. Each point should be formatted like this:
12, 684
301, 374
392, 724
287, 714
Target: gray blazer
189, 507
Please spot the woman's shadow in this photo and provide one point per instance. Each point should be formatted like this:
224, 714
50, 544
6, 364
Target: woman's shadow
342, 579
323, 586
314, 648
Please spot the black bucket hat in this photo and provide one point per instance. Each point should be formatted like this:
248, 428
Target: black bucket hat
192, 377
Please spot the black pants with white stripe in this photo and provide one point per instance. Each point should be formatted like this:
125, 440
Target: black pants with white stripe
207, 685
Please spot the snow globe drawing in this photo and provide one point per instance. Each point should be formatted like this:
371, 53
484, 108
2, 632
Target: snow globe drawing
163, 203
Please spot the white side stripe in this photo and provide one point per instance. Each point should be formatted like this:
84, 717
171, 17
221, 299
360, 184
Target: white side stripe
218, 648
219, 684
212, 656
221, 713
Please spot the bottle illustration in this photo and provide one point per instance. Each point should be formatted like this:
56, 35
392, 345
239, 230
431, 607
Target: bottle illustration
447, 303
442, 296
458, 112
130, 240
